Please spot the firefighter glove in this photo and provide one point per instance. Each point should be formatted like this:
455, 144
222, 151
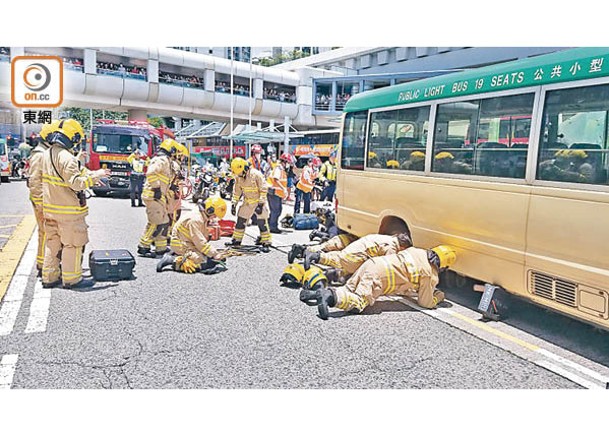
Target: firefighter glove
188, 266
157, 193
233, 208
259, 208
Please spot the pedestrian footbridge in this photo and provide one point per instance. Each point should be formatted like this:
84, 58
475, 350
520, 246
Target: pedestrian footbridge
178, 83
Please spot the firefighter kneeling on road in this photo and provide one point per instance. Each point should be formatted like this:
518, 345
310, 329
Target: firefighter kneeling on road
155, 195
254, 187
65, 207
191, 250
413, 270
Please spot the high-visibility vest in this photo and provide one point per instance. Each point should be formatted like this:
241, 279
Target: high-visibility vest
279, 182
305, 183
328, 172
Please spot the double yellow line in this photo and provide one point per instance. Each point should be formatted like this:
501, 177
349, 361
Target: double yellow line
11, 253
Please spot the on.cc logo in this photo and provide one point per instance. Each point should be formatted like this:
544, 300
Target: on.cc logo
36, 77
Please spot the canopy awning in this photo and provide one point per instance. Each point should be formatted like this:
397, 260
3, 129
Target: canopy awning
261, 136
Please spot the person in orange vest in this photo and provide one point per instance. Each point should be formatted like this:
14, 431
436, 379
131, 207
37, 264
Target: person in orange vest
304, 188
278, 190
256, 160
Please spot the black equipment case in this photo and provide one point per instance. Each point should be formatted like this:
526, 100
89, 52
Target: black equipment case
111, 265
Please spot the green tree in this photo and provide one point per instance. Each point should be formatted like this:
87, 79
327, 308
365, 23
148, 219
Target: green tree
156, 121
84, 115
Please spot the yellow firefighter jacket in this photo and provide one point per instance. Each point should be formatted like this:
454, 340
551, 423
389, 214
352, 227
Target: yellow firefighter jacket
253, 186
159, 175
62, 177
191, 229
34, 182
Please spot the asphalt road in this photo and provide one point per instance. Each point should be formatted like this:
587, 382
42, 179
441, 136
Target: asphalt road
237, 330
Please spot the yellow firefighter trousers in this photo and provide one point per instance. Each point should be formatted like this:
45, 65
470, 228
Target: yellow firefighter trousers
64, 245
245, 212
41, 238
348, 263
336, 243
375, 279
157, 228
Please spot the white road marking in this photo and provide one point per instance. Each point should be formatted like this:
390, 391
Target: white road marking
8, 363
39, 310
591, 373
567, 374
14, 296
524, 346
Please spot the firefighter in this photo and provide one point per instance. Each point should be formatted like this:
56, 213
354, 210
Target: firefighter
155, 195
355, 254
337, 243
278, 190
34, 184
65, 208
174, 199
190, 246
136, 177
412, 270
252, 184
327, 175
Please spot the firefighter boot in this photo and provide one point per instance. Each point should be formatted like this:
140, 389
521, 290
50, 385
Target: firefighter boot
168, 259
233, 242
297, 251
310, 257
83, 283
327, 300
265, 248
145, 252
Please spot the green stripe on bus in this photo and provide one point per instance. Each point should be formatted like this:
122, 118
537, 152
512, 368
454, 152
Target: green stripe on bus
559, 67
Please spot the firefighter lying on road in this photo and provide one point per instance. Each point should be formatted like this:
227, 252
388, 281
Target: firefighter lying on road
349, 259
190, 246
411, 270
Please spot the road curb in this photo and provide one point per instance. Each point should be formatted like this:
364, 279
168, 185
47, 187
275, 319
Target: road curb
13, 250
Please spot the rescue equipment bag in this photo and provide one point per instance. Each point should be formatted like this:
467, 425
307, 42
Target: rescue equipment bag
111, 265
305, 222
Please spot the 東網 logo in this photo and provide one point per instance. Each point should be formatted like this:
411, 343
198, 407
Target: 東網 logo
37, 81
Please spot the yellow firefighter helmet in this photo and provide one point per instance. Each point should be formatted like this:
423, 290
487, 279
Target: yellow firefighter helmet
292, 275
170, 146
314, 277
215, 206
238, 165
48, 129
68, 133
446, 254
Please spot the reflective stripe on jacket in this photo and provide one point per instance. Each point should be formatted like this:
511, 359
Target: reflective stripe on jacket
159, 176
253, 187
62, 178
327, 172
